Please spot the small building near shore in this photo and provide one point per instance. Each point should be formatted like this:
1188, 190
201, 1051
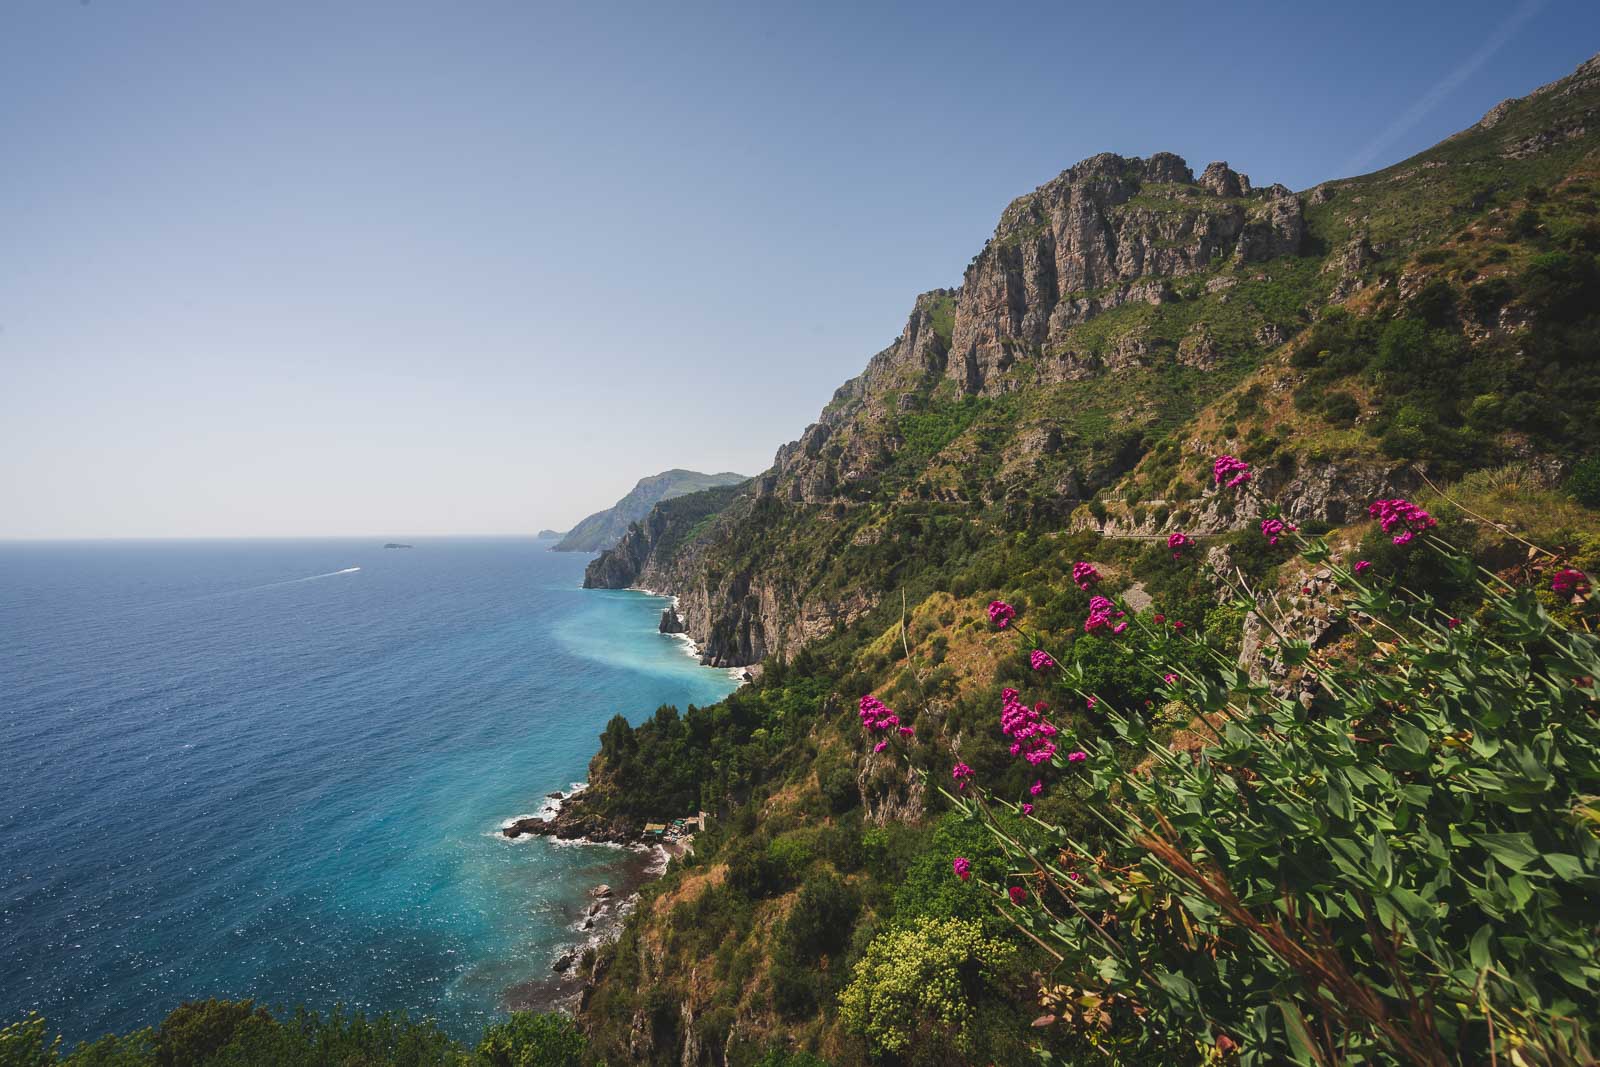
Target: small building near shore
655, 829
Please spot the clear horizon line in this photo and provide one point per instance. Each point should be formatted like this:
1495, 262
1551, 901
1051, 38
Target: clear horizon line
387, 538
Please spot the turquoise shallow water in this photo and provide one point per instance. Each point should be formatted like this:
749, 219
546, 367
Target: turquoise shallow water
247, 768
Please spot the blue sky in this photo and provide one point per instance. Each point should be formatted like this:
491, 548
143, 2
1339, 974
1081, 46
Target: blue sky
420, 268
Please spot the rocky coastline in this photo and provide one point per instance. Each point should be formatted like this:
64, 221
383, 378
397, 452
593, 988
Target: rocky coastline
641, 859
572, 823
565, 980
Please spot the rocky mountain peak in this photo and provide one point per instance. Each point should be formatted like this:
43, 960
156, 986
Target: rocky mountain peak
1106, 232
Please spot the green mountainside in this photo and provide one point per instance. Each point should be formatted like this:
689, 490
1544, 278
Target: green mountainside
1117, 318
1430, 331
605, 528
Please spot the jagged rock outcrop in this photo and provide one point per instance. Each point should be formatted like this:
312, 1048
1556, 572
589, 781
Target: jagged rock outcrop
1106, 232
1569, 127
670, 622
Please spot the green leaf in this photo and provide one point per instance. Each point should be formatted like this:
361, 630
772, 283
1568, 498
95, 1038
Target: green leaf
1411, 738
1514, 850
1566, 866
1300, 1043
1382, 863
1339, 796
1478, 951
1178, 985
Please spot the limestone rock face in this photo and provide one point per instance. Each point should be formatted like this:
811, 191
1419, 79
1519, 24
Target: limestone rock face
1223, 181
1106, 232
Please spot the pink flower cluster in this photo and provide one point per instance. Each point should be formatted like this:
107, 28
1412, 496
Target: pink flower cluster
1030, 733
1402, 515
1178, 542
876, 718
1001, 613
1570, 582
1363, 566
1103, 615
1084, 575
962, 867
1041, 660
1230, 472
962, 775
1272, 529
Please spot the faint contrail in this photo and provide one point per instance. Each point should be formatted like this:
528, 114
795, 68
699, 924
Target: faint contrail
1444, 87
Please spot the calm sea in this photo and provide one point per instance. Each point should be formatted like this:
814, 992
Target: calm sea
275, 769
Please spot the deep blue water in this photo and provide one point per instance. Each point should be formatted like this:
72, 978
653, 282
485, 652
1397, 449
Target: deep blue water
244, 768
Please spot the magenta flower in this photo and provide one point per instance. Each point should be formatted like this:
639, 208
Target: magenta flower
1453, 622
1001, 613
1178, 625
1570, 582
907, 731
1084, 575
1027, 809
962, 775
1169, 677
1119, 627
880, 746
876, 718
1401, 515
1178, 542
1091, 702
1040, 660
1036, 788
1101, 611
1029, 732
1230, 472
1272, 529
872, 710
1077, 757
1017, 894
962, 867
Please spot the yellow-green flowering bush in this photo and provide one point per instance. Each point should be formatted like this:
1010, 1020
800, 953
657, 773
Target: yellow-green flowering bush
928, 973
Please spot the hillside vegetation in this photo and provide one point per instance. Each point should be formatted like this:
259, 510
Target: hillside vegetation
1430, 332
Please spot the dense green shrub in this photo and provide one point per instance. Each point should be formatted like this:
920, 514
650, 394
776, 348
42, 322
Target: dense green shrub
1340, 408
221, 1033
820, 922
529, 1040
1584, 482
